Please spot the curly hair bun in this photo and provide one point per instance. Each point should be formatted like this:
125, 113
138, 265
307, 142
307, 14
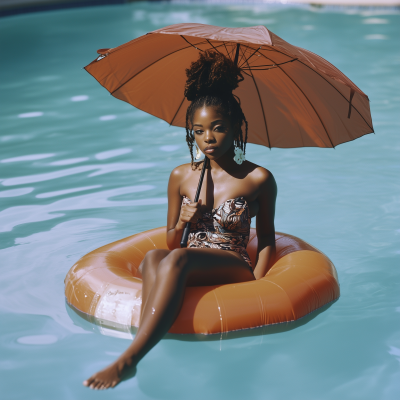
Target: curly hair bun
212, 74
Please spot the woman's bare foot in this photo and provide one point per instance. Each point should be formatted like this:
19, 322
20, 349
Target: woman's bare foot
112, 375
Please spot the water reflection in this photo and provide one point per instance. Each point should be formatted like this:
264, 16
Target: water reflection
111, 153
31, 114
38, 339
100, 169
69, 161
16, 192
66, 191
13, 216
30, 157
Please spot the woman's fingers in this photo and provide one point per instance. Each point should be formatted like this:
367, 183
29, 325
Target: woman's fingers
196, 205
191, 212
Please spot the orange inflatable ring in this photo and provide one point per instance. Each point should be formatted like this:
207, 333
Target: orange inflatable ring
106, 284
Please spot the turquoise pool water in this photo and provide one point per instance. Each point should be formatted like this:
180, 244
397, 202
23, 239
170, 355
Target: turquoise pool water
79, 169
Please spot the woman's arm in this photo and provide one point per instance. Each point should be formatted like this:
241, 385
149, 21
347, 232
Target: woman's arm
265, 225
179, 215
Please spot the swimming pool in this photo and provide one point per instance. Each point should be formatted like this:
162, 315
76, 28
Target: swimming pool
79, 170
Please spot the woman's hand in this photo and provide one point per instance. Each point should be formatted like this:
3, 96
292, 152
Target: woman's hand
189, 213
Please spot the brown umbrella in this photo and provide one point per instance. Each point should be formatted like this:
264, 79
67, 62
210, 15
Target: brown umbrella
291, 97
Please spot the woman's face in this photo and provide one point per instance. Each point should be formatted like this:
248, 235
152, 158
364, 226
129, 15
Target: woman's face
213, 132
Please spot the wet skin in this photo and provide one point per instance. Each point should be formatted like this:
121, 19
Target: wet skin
166, 273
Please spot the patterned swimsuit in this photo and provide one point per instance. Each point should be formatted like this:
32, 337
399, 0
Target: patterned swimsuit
226, 227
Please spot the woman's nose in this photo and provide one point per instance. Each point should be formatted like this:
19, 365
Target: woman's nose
209, 137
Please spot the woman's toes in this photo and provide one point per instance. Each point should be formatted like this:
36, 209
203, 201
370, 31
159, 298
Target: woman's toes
88, 382
99, 385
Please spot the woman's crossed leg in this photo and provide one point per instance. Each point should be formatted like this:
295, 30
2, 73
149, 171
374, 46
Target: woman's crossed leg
165, 276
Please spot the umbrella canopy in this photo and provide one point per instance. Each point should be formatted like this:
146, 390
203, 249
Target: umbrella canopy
290, 96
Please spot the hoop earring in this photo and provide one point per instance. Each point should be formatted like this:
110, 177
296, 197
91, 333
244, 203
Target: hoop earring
198, 153
239, 155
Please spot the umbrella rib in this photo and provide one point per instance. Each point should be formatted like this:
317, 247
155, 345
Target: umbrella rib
232, 51
332, 65
298, 87
213, 46
350, 104
216, 47
147, 66
257, 68
244, 72
227, 52
187, 41
370, 127
262, 107
172, 120
268, 65
242, 55
316, 112
247, 59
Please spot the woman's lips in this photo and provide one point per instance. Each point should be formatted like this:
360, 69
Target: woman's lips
209, 150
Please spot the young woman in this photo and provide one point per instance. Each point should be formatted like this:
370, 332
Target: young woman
232, 193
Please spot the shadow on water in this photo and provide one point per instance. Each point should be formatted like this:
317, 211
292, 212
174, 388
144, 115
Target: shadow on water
108, 328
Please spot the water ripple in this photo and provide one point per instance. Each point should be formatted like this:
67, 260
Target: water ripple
44, 291
170, 147
101, 169
69, 161
80, 98
13, 216
30, 157
65, 191
31, 114
38, 339
104, 155
16, 192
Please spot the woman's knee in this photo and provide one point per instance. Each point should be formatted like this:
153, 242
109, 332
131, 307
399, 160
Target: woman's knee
150, 262
176, 262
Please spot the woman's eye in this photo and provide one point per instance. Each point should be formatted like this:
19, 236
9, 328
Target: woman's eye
220, 128
198, 132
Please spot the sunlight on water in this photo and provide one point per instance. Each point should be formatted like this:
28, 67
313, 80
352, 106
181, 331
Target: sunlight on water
80, 169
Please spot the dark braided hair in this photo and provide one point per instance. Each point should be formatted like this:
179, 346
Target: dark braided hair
210, 82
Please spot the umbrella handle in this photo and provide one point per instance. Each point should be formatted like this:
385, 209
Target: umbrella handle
186, 231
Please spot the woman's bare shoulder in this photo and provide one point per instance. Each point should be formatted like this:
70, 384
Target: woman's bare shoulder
180, 173
262, 178
259, 174
181, 170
